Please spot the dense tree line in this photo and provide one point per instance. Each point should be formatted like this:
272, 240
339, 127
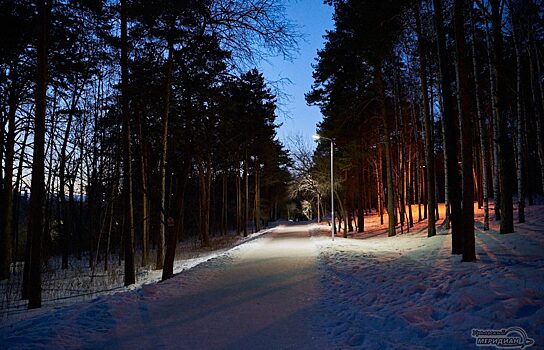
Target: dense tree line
432, 101
131, 124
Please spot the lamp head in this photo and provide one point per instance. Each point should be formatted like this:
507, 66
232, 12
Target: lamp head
316, 136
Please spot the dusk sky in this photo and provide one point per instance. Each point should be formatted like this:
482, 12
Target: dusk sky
314, 18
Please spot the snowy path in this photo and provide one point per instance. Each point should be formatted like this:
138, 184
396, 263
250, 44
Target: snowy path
263, 294
287, 290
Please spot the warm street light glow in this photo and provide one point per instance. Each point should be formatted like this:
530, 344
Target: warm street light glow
316, 136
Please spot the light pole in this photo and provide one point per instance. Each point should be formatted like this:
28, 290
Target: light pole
333, 221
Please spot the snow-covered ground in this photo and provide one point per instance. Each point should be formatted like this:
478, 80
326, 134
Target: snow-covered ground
409, 292
261, 294
62, 287
296, 289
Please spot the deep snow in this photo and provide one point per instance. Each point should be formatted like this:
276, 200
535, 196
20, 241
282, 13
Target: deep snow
288, 290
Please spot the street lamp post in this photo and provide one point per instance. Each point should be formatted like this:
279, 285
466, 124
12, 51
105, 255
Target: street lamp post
333, 221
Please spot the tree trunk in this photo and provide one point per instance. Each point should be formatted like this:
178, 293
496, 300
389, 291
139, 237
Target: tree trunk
450, 133
409, 191
380, 185
537, 115
169, 257
238, 201
128, 227
170, 253
483, 130
436, 189
164, 153
204, 181
466, 120
360, 200
388, 160
64, 219
16, 205
83, 199
429, 149
350, 220
401, 154
341, 215
496, 154
318, 209
38, 164
507, 217
519, 123
115, 189
540, 84
6, 219
417, 186
445, 155
50, 183
224, 203
71, 213
145, 197
405, 191
257, 196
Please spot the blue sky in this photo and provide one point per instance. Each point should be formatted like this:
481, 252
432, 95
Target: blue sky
313, 18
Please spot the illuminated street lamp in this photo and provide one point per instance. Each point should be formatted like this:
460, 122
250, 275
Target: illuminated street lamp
333, 229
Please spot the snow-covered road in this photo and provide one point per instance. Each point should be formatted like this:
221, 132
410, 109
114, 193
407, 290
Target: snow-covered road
263, 294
